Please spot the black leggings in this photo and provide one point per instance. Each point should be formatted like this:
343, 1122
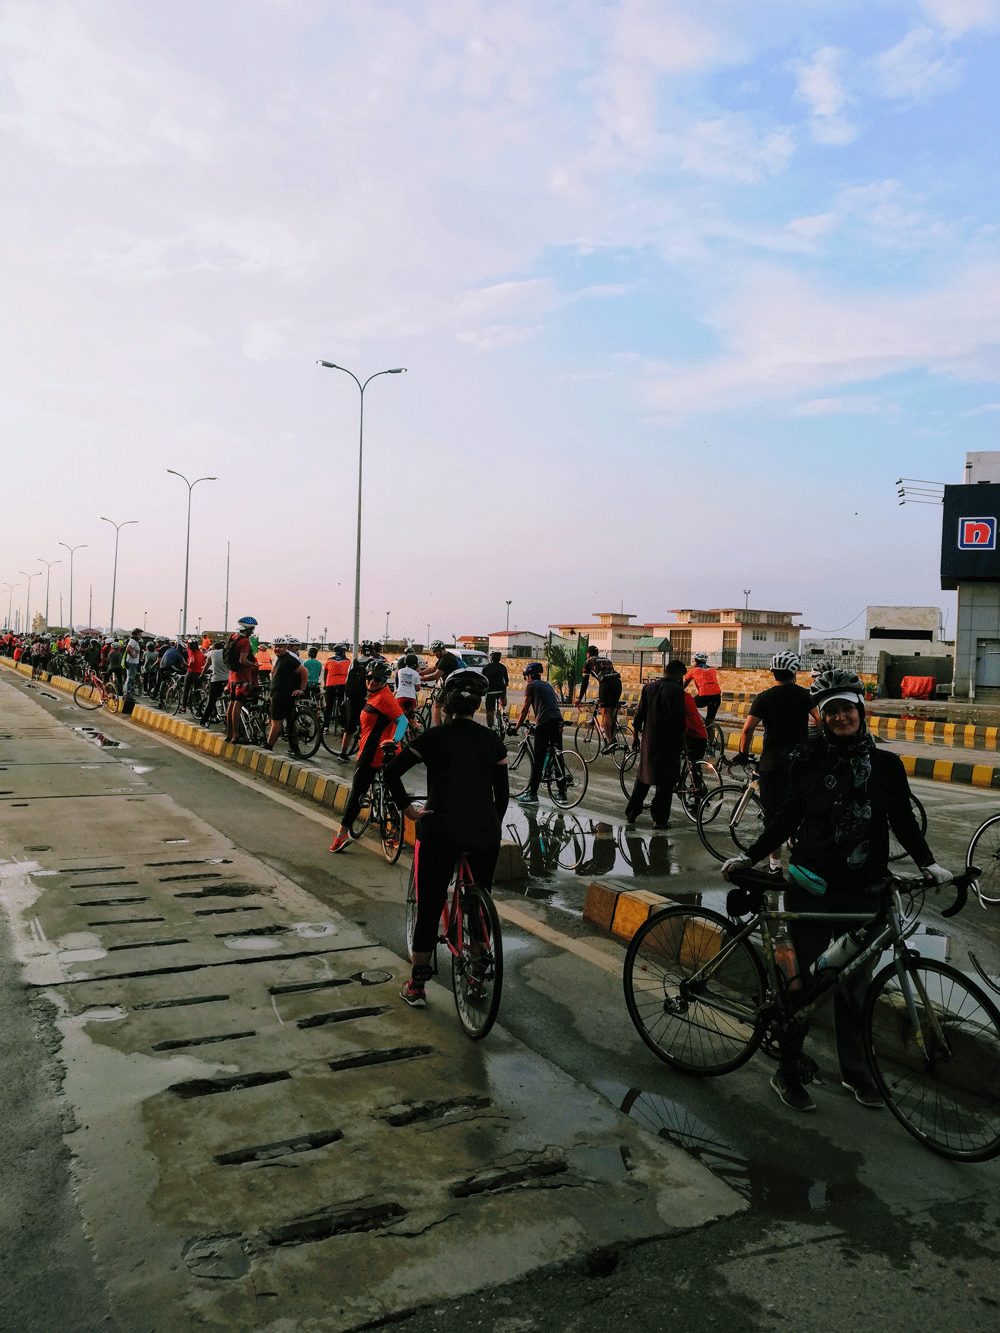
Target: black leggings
710, 703
364, 776
433, 866
333, 701
546, 734
214, 695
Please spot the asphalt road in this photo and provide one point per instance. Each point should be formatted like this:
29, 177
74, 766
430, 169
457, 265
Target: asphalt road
849, 1220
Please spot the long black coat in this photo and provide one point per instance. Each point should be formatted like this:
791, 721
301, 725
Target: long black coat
659, 721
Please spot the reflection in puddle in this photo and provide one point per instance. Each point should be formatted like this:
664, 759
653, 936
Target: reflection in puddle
92, 734
775, 1188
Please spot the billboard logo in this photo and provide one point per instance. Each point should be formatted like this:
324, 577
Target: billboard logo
977, 534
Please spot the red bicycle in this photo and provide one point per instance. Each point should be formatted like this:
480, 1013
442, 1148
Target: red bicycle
470, 928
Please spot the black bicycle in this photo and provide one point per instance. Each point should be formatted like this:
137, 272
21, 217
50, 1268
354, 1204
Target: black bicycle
564, 774
698, 780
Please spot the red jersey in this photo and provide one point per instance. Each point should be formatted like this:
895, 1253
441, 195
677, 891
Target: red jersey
244, 675
705, 680
693, 724
380, 713
334, 672
196, 661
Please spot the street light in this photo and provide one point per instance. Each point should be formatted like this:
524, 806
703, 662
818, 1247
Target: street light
187, 550
71, 549
27, 609
508, 613
746, 598
399, 370
48, 571
10, 600
386, 639
114, 579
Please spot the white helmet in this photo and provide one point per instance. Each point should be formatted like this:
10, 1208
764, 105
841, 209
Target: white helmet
785, 662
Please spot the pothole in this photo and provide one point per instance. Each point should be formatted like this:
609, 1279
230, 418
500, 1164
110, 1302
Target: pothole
265, 1152
208, 1087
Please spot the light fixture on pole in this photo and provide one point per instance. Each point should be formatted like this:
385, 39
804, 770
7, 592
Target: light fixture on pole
48, 573
746, 598
508, 613
399, 370
225, 614
386, 639
114, 578
10, 600
187, 550
308, 618
428, 643
81, 547
27, 609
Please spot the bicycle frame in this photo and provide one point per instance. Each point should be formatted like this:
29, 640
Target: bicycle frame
451, 915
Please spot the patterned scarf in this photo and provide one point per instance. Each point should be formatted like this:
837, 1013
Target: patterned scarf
848, 766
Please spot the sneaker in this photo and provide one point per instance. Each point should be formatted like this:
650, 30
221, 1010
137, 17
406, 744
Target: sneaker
792, 1093
340, 843
526, 798
866, 1093
415, 996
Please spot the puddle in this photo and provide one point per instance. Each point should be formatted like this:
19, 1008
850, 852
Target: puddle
111, 1015
105, 742
13, 869
314, 930
81, 955
251, 942
772, 1187
142, 768
607, 1164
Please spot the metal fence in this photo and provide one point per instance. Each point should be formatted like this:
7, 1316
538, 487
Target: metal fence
860, 662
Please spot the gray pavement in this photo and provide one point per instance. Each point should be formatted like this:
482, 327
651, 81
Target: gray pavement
847, 1218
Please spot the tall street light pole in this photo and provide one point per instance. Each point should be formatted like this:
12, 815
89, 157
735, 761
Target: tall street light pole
114, 578
27, 609
509, 600
10, 600
746, 598
399, 370
387, 614
48, 574
187, 550
71, 549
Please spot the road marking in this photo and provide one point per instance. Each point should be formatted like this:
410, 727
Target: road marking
585, 951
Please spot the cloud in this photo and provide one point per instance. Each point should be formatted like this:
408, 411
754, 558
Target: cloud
498, 336
818, 225
820, 86
978, 411
848, 405
733, 148
916, 67
960, 16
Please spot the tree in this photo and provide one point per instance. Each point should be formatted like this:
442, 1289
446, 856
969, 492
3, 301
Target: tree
562, 667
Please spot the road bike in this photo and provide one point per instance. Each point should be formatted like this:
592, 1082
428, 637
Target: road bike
470, 930
698, 780
378, 806
93, 693
590, 741
715, 744
705, 992
554, 840
564, 772
985, 846
495, 699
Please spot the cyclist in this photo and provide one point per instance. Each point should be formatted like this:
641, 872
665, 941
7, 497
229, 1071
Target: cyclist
172, 663
446, 662
695, 731
708, 691
497, 679
217, 673
609, 693
841, 798
383, 723
335, 671
355, 694
195, 670
658, 731
314, 668
467, 794
289, 680
407, 684
238, 657
542, 698
593, 653
133, 660
785, 710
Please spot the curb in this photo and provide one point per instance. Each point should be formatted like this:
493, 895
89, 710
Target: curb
314, 785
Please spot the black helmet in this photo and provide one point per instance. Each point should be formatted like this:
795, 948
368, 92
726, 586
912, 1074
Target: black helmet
837, 684
410, 660
533, 669
495, 655
379, 672
467, 687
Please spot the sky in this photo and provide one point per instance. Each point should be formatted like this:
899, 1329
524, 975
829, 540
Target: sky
681, 288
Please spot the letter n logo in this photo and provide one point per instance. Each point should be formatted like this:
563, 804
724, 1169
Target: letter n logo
977, 534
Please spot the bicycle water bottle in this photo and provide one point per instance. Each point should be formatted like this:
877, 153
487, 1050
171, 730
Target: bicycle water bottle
786, 960
840, 953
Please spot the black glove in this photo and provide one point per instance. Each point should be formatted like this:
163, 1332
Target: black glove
740, 757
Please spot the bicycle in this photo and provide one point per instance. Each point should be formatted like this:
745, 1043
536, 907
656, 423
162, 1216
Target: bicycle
697, 781
704, 1000
304, 728
715, 745
386, 814
499, 723
470, 929
565, 774
93, 693
590, 741
985, 844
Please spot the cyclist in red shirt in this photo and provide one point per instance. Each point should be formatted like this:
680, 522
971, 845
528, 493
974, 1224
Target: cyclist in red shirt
708, 691
195, 667
383, 725
335, 671
238, 657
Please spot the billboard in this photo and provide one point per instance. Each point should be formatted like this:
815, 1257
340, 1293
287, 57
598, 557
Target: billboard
969, 534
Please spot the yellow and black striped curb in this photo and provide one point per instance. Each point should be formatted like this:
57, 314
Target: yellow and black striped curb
310, 783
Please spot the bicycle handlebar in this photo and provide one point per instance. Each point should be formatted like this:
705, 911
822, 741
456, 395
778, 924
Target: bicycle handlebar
751, 879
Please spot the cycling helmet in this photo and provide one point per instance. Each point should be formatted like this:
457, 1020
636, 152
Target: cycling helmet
496, 655
437, 646
247, 621
701, 659
533, 669
819, 667
785, 662
380, 672
283, 639
340, 647
465, 686
192, 643
410, 660
837, 684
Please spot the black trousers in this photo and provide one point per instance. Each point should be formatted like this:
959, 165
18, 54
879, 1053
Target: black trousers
364, 776
333, 699
214, 695
546, 734
192, 679
668, 770
433, 865
710, 703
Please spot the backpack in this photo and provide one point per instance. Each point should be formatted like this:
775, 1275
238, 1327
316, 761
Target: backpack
231, 654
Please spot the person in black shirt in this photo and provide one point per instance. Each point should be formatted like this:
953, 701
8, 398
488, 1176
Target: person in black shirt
542, 698
355, 698
593, 654
498, 680
785, 711
658, 729
467, 794
841, 797
445, 664
609, 693
289, 679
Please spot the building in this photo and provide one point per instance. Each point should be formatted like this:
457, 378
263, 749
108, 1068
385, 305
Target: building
970, 565
729, 634
904, 631
611, 632
518, 643
475, 641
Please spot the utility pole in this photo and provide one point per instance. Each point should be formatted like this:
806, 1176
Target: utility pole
225, 619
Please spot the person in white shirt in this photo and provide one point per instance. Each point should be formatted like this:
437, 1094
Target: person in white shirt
407, 685
216, 675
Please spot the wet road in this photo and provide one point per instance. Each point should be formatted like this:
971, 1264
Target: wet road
843, 1202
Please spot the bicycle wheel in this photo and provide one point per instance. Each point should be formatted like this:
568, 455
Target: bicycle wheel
519, 770
984, 852
112, 700
391, 832
172, 696
946, 1094
730, 819
695, 1013
587, 741
696, 784
308, 730
566, 778
477, 969
716, 746
896, 849
88, 697
411, 909
364, 816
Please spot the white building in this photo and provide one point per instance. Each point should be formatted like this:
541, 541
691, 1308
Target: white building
611, 632
728, 632
519, 643
905, 631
